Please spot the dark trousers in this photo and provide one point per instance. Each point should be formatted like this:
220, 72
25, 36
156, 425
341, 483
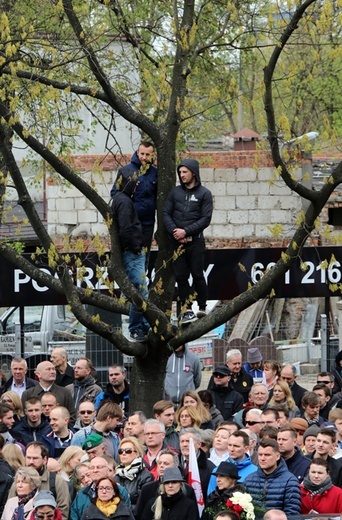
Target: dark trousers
190, 261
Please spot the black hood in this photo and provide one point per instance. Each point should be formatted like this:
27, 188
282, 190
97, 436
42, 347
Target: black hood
126, 180
192, 165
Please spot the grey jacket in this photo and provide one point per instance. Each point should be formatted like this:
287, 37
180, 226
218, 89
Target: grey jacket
183, 372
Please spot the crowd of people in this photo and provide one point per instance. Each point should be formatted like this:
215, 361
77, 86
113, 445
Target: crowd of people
263, 445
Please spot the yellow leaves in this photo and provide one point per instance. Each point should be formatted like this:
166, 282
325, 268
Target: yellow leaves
79, 245
99, 246
242, 267
300, 218
285, 126
324, 264
276, 230
52, 256
285, 258
303, 266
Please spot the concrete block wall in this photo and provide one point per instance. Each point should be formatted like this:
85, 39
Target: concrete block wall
248, 199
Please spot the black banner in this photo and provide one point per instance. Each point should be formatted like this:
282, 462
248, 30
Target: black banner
228, 273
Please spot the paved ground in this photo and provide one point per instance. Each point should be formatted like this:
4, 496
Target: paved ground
307, 381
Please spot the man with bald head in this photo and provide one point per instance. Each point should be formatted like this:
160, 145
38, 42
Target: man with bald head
64, 371
275, 514
46, 373
98, 468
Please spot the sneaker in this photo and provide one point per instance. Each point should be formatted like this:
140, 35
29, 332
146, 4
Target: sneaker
201, 313
138, 336
188, 317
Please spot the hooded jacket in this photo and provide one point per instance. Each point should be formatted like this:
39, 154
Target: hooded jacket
25, 433
85, 390
183, 372
278, 490
124, 212
188, 209
122, 399
145, 195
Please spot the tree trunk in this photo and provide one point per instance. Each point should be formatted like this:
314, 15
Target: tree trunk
147, 380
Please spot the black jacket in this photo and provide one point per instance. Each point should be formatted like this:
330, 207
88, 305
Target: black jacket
150, 491
242, 384
297, 392
65, 379
124, 212
25, 433
227, 400
133, 487
217, 499
30, 383
205, 468
188, 209
145, 195
6, 481
298, 464
176, 507
122, 399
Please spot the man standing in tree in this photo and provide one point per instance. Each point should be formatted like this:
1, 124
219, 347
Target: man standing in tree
131, 241
187, 212
145, 195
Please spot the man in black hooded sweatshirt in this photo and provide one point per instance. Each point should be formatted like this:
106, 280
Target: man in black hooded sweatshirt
131, 240
187, 212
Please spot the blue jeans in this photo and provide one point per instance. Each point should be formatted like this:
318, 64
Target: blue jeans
134, 266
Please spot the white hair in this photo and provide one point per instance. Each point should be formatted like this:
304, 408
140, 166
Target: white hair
233, 352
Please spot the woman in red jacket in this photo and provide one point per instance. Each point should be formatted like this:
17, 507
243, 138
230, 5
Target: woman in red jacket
319, 495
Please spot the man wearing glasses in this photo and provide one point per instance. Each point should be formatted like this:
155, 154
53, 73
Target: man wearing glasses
98, 469
86, 415
227, 400
289, 374
36, 457
154, 434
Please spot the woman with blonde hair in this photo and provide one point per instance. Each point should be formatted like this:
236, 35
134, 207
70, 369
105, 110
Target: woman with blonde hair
13, 399
219, 451
187, 417
13, 455
27, 482
68, 461
172, 502
282, 395
131, 472
191, 398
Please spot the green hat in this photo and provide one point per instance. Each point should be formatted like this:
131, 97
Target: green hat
93, 440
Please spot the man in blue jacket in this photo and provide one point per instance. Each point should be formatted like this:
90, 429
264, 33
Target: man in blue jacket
187, 212
272, 486
145, 195
131, 241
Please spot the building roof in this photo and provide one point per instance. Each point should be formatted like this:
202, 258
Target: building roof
246, 134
